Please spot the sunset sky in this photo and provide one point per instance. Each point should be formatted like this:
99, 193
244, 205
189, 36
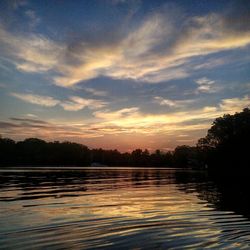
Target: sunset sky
122, 74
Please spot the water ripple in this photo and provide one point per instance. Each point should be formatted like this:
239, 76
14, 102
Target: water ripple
117, 209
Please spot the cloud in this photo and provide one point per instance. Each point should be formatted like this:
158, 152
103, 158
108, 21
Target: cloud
23, 128
96, 92
151, 51
212, 63
235, 104
133, 120
204, 81
107, 115
32, 53
164, 102
172, 103
206, 85
28, 120
73, 103
126, 123
76, 103
31, 115
41, 100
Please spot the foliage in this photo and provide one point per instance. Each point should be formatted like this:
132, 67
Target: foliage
33, 151
227, 142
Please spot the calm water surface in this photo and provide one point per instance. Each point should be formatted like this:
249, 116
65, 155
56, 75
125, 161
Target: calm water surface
120, 209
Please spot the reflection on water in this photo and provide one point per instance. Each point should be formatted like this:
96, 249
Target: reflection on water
120, 209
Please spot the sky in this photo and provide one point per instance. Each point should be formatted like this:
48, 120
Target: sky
122, 74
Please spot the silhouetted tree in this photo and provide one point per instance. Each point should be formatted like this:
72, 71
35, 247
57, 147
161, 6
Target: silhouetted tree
33, 151
184, 156
7, 150
226, 145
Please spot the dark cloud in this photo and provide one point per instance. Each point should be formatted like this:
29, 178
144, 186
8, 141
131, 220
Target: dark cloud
28, 120
236, 18
7, 125
22, 128
24, 124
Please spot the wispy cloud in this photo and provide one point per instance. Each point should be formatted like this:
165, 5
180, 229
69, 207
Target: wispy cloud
206, 85
96, 92
151, 52
41, 100
212, 63
172, 103
204, 81
164, 102
133, 120
127, 121
137, 55
23, 128
31, 115
28, 120
76, 103
73, 103
32, 53
111, 115
235, 104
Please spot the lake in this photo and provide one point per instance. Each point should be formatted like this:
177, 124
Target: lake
121, 209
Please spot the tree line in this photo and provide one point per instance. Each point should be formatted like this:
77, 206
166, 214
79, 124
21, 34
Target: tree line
225, 145
34, 151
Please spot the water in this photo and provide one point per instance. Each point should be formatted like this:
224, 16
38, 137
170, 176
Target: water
120, 209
